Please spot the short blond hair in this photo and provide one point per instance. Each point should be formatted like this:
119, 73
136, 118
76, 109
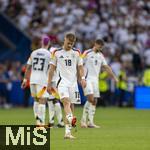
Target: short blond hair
70, 36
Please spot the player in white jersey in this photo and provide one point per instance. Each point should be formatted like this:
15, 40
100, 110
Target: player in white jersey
93, 61
37, 64
68, 63
54, 103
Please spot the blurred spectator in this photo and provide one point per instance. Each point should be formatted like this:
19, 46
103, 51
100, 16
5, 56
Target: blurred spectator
4, 80
146, 77
104, 90
147, 54
121, 87
131, 83
26, 90
127, 35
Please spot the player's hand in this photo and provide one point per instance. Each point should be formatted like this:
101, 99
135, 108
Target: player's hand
83, 83
24, 84
116, 80
49, 88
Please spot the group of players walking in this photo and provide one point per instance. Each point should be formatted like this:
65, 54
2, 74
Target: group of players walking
54, 75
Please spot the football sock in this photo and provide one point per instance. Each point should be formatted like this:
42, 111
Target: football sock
69, 117
59, 113
85, 111
91, 113
67, 129
35, 108
51, 112
41, 113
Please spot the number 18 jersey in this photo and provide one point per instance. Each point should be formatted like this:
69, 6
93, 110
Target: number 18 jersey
39, 60
66, 63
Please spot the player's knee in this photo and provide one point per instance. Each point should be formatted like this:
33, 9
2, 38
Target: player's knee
90, 99
66, 102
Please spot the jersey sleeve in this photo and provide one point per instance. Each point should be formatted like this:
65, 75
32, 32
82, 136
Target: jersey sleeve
104, 62
80, 59
84, 56
53, 58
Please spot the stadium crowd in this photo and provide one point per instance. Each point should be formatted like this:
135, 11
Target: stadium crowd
124, 25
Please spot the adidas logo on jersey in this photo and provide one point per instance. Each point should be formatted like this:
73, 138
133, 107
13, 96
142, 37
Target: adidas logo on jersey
61, 56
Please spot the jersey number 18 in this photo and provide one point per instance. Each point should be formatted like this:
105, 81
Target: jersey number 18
68, 62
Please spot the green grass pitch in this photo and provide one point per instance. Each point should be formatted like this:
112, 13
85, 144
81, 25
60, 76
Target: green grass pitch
121, 129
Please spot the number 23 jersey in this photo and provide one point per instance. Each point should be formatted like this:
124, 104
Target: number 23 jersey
66, 63
39, 60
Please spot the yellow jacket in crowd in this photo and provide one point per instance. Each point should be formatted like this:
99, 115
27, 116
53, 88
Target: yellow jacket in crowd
146, 77
122, 84
103, 85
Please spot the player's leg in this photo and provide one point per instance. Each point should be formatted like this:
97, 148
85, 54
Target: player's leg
87, 91
58, 113
92, 107
51, 110
72, 107
85, 114
35, 107
75, 99
42, 95
91, 112
69, 119
36, 101
41, 111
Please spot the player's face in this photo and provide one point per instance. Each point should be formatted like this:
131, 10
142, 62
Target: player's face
68, 43
98, 47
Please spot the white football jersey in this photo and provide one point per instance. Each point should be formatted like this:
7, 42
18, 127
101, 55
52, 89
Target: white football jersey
92, 63
66, 63
39, 60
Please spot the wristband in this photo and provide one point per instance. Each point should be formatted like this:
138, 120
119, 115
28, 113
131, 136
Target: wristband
83, 78
24, 80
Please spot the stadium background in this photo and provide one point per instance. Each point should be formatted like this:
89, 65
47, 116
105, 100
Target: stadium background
127, 38
125, 27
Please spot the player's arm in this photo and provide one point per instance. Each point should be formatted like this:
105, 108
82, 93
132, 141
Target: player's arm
26, 76
108, 69
52, 69
50, 76
80, 70
81, 75
27, 72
